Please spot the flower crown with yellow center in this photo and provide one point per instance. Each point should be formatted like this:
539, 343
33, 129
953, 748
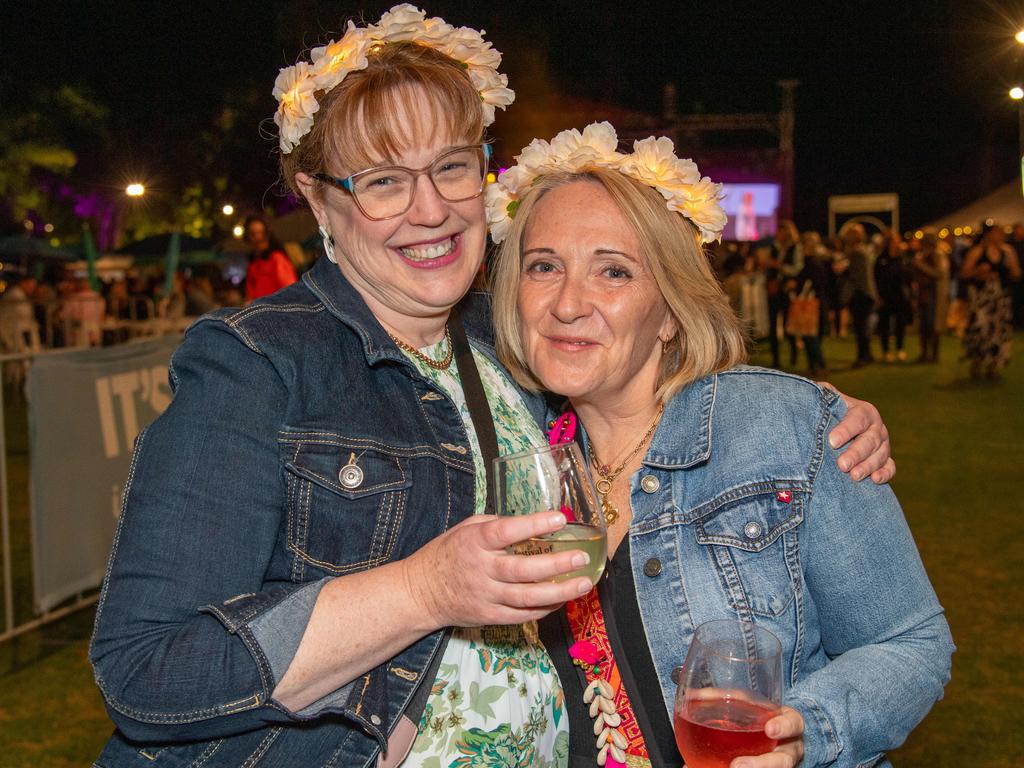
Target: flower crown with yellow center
653, 162
296, 87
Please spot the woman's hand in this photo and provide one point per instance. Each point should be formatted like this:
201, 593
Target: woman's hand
869, 453
788, 728
465, 578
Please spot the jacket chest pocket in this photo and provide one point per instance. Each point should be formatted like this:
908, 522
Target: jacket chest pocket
746, 540
345, 506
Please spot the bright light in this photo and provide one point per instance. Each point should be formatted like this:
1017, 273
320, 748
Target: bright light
48, 228
135, 190
1017, 93
958, 231
918, 235
968, 230
491, 178
228, 209
989, 222
27, 223
1019, 37
943, 232
238, 231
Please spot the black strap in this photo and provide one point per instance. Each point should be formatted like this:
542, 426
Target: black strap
476, 400
483, 424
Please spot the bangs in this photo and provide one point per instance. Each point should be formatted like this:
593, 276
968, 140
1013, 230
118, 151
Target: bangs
390, 110
408, 96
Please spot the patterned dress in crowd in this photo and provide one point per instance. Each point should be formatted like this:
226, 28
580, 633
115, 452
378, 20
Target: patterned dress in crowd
988, 338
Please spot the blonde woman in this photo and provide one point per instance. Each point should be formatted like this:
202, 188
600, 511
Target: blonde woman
720, 488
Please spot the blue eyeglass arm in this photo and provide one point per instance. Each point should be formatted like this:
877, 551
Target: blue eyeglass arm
346, 183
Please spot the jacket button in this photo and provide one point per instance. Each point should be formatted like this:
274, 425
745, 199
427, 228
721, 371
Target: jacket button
650, 484
652, 567
676, 674
375, 719
350, 477
752, 530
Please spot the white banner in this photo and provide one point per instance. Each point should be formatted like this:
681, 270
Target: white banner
85, 409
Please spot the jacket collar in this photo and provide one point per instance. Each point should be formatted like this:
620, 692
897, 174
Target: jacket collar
683, 438
342, 300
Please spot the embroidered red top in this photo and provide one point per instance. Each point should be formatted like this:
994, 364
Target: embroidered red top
586, 621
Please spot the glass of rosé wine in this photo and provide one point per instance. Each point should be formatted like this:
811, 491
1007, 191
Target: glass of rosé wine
730, 685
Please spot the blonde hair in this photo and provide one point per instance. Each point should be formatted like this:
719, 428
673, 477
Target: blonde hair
709, 338
365, 117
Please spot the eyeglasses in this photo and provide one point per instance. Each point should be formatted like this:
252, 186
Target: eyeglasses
383, 193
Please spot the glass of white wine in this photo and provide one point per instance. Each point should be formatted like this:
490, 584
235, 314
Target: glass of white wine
554, 478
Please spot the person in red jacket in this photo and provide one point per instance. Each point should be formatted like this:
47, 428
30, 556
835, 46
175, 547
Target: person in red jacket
269, 268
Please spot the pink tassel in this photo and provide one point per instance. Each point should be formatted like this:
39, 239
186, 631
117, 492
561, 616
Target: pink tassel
563, 430
585, 651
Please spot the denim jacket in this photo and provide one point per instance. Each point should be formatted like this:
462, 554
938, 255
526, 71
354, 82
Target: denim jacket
740, 511
235, 516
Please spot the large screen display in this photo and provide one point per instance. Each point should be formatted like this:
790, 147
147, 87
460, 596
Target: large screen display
752, 209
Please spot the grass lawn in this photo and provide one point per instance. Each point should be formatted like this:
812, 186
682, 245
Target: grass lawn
957, 445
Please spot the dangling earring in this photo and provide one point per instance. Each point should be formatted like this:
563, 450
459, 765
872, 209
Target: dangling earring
666, 345
328, 245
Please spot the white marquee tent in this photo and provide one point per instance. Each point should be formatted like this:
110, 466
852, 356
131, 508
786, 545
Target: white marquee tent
1004, 205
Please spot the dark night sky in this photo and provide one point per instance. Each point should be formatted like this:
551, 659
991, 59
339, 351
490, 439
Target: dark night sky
906, 95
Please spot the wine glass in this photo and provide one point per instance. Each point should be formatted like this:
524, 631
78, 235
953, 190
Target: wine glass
554, 477
730, 686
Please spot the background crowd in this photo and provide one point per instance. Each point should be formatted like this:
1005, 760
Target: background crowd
59, 308
791, 291
796, 288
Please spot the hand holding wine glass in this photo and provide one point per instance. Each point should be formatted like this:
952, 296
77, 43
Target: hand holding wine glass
554, 477
728, 701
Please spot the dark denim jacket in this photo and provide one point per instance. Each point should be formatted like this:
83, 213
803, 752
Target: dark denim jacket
235, 517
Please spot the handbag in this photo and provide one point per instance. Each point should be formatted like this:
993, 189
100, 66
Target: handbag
803, 314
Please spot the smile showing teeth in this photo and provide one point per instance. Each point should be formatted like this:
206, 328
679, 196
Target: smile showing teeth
435, 251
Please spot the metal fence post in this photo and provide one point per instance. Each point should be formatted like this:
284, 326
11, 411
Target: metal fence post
5, 518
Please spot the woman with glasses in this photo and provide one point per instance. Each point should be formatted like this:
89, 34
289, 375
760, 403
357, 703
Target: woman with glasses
300, 576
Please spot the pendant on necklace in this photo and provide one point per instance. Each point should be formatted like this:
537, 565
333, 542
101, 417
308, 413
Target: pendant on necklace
611, 514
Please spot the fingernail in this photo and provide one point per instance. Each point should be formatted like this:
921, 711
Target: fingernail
585, 586
773, 730
844, 464
742, 764
557, 519
857, 475
833, 441
580, 559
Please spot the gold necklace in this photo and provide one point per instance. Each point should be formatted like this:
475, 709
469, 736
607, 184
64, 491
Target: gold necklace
440, 365
608, 476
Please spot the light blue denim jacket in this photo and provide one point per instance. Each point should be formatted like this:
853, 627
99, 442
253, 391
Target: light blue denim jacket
749, 517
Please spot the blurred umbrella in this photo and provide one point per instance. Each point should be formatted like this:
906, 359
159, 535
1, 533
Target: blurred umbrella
154, 249
171, 262
34, 247
89, 247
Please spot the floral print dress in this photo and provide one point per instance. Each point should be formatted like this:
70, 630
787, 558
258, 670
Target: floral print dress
496, 701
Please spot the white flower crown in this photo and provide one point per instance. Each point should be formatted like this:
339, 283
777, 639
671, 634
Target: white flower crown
296, 87
653, 162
